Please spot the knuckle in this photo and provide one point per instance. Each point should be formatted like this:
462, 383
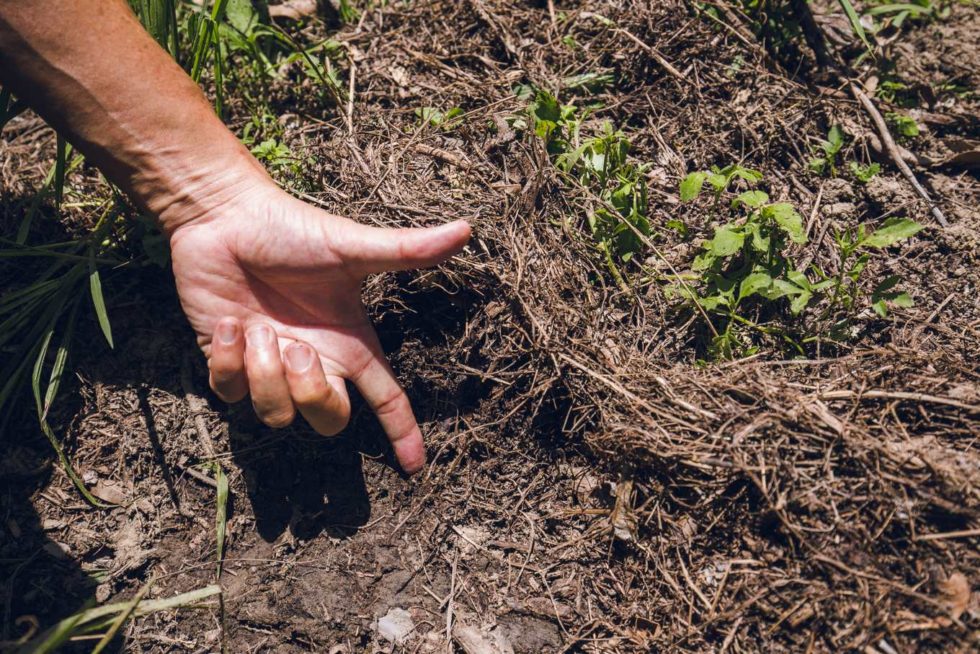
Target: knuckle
277, 418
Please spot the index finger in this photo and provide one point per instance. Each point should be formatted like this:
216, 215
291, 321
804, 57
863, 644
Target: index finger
381, 390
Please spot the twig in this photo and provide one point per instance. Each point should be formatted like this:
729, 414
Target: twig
899, 395
196, 407
965, 533
659, 58
892, 149
449, 157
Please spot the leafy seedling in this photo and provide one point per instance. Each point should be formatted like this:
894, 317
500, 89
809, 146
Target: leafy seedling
448, 120
905, 125
831, 147
855, 249
864, 173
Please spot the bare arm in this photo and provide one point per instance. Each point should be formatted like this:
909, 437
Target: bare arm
93, 73
270, 284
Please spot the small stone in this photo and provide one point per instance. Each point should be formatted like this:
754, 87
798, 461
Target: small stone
396, 626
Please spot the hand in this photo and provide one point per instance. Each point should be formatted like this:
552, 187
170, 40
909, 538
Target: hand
272, 285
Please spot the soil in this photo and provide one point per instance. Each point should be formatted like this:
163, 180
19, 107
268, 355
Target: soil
593, 485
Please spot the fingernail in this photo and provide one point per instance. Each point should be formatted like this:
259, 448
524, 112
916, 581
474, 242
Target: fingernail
299, 357
227, 332
260, 335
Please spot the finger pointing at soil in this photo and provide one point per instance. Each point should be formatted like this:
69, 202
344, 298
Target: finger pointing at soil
378, 385
227, 361
326, 408
266, 377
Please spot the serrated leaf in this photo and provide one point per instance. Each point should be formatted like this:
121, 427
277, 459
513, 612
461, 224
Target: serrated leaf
788, 220
751, 199
691, 186
718, 181
893, 231
727, 241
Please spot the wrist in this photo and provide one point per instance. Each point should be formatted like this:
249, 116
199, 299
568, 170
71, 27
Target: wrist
189, 188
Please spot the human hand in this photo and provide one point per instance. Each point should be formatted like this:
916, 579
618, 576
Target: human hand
272, 286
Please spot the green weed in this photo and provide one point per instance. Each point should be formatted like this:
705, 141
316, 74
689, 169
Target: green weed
448, 120
831, 147
864, 173
105, 620
747, 259
905, 126
601, 163
746, 272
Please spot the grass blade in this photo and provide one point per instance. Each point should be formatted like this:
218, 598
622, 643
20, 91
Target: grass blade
95, 288
221, 512
855, 20
121, 619
102, 617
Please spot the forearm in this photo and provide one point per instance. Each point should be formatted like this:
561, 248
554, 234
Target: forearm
90, 70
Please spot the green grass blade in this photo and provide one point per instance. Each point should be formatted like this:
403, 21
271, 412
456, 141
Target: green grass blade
95, 288
120, 619
102, 617
855, 20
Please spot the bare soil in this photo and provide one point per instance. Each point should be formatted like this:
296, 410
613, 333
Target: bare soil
593, 486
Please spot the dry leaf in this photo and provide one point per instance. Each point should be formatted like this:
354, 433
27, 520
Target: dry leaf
956, 593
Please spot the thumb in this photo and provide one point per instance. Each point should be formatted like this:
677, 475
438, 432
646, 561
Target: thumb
375, 249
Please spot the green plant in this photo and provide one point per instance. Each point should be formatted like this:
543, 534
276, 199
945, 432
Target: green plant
747, 260
904, 125
276, 155
108, 619
864, 173
855, 249
746, 271
448, 120
600, 163
831, 147
895, 14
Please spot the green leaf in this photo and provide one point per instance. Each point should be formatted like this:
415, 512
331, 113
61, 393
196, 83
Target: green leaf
703, 261
241, 15
788, 220
855, 21
691, 186
864, 174
893, 231
835, 139
95, 286
798, 303
727, 241
748, 174
718, 181
757, 283
751, 199
818, 165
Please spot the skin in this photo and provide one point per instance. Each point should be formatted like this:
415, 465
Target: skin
271, 285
